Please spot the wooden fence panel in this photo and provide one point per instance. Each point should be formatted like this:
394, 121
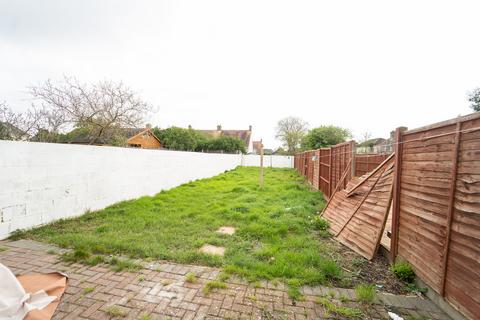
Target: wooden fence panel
438, 208
364, 163
324, 171
341, 155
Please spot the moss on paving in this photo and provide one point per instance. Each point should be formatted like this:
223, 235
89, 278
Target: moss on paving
277, 236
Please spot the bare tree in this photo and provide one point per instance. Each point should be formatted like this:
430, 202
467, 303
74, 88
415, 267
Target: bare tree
16, 125
367, 135
290, 131
101, 108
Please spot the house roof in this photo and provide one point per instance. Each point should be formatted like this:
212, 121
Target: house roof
243, 135
145, 130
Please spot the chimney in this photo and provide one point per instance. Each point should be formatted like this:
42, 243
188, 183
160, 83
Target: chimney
219, 127
250, 128
148, 126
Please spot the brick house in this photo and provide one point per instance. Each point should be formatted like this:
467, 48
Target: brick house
244, 135
144, 139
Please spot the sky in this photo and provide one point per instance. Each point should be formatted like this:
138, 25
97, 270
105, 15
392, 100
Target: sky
369, 66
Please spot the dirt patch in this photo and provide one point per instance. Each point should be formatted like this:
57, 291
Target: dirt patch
362, 271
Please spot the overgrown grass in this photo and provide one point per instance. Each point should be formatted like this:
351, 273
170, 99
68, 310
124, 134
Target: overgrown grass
277, 237
82, 255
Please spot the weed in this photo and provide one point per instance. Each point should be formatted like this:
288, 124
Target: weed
117, 264
114, 311
17, 234
190, 277
331, 294
3, 249
320, 224
293, 290
144, 317
410, 317
88, 290
294, 293
414, 288
223, 277
403, 271
212, 285
253, 298
167, 282
365, 293
50, 251
358, 262
78, 255
339, 310
344, 298
93, 261
141, 279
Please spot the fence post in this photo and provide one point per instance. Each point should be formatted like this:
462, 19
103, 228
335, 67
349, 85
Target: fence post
451, 205
398, 147
354, 163
330, 172
261, 164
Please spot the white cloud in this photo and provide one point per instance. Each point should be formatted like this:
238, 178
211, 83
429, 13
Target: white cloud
365, 65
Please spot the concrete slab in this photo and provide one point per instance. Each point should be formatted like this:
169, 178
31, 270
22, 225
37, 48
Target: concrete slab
209, 249
226, 230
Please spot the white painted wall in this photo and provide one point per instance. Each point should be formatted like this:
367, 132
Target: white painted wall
253, 160
41, 182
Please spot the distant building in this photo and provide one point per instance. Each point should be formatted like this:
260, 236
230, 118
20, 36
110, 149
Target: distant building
244, 135
257, 147
130, 137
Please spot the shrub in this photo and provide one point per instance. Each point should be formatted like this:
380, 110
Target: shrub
403, 271
365, 293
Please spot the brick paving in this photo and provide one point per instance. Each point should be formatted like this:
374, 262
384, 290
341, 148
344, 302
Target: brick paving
160, 291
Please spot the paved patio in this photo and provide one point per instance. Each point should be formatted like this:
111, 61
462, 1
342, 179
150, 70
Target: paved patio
160, 291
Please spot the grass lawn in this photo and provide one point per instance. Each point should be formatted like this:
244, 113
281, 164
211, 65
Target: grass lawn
277, 237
